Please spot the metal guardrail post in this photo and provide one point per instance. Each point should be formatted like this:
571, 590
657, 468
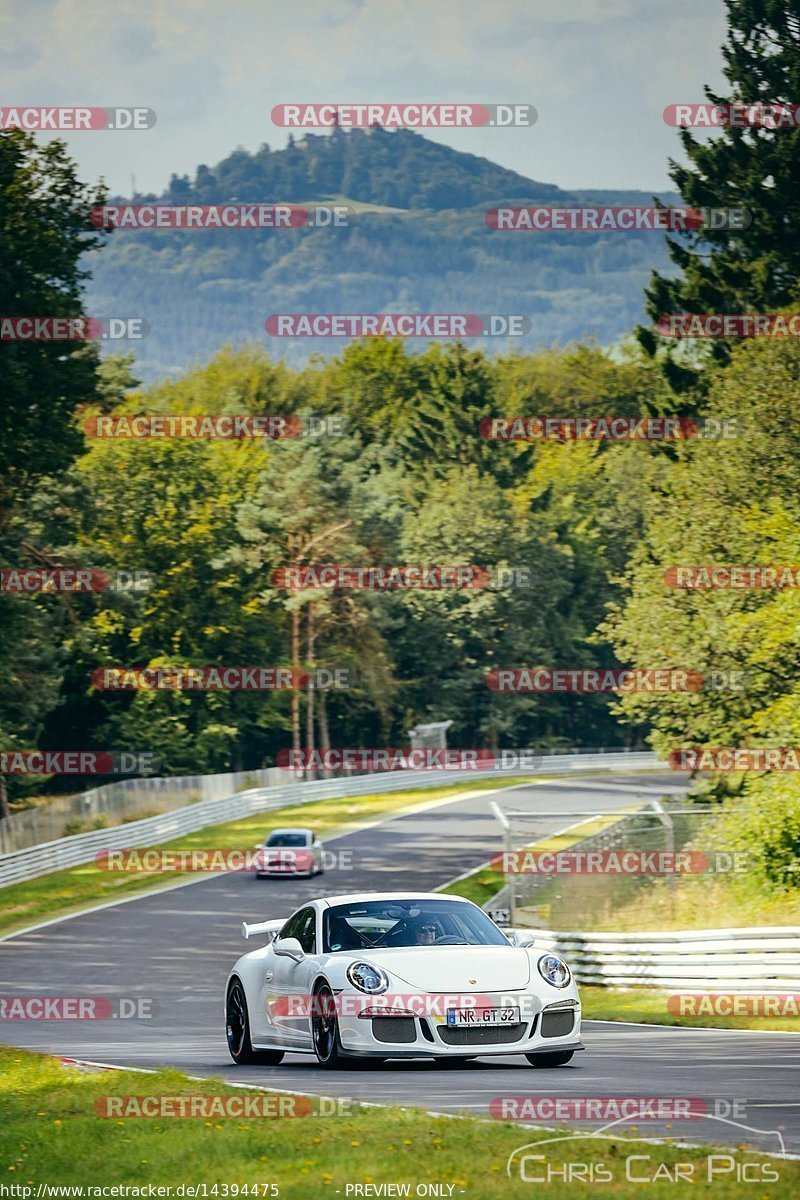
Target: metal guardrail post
505, 825
669, 826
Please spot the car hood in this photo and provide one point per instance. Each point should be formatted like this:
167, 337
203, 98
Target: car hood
456, 968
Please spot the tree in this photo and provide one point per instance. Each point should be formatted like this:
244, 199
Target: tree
44, 232
312, 507
724, 502
728, 270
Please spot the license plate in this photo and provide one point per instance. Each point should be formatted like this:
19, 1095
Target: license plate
473, 1017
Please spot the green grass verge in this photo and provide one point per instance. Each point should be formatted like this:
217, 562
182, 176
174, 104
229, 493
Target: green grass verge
696, 902
80, 887
649, 1005
50, 1134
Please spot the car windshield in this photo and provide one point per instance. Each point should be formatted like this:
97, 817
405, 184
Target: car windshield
383, 924
286, 839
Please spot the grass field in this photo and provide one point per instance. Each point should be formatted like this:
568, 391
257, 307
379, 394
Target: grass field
649, 1005
697, 902
50, 1134
62, 892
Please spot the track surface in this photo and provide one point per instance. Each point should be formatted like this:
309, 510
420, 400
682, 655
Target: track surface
177, 947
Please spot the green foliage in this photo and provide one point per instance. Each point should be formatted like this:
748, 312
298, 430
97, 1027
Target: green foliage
409, 481
44, 232
43, 235
729, 270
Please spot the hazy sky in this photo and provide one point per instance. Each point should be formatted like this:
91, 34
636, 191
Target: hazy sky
599, 72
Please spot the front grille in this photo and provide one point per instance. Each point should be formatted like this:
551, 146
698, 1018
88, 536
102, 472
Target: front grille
394, 1029
485, 1035
557, 1023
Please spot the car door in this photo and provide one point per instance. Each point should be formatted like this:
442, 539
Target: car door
269, 1020
291, 981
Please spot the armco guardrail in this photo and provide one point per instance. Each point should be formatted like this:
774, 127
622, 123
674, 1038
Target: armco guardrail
126, 800
83, 847
730, 960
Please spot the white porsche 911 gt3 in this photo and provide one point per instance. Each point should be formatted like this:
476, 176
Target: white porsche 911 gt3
398, 974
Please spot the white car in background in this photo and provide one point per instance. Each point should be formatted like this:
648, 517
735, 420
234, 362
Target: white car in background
400, 975
290, 852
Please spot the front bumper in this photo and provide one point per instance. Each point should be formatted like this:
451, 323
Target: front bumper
547, 1030
305, 873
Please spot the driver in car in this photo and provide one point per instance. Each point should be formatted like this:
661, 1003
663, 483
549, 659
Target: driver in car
424, 933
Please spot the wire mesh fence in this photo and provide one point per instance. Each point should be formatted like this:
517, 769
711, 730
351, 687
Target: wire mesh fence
612, 866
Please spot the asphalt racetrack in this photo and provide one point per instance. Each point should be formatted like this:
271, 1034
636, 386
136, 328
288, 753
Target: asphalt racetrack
177, 947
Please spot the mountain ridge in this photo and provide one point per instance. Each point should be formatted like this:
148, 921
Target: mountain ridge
200, 290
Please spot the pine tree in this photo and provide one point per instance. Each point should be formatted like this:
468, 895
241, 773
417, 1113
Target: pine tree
757, 168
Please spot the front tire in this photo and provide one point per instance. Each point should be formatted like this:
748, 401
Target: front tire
237, 1031
556, 1059
325, 1029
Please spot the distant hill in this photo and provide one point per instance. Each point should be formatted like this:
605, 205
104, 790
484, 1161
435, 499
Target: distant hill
434, 253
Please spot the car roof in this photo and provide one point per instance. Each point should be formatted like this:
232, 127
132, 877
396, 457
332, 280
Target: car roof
360, 897
288, 829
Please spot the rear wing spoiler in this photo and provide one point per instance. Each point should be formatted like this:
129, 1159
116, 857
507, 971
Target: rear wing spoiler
270, 927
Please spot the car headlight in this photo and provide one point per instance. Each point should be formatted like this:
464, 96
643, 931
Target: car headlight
554, 970
367, 978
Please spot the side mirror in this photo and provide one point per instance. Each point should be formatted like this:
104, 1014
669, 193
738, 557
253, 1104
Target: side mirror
520, 937
289, 948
